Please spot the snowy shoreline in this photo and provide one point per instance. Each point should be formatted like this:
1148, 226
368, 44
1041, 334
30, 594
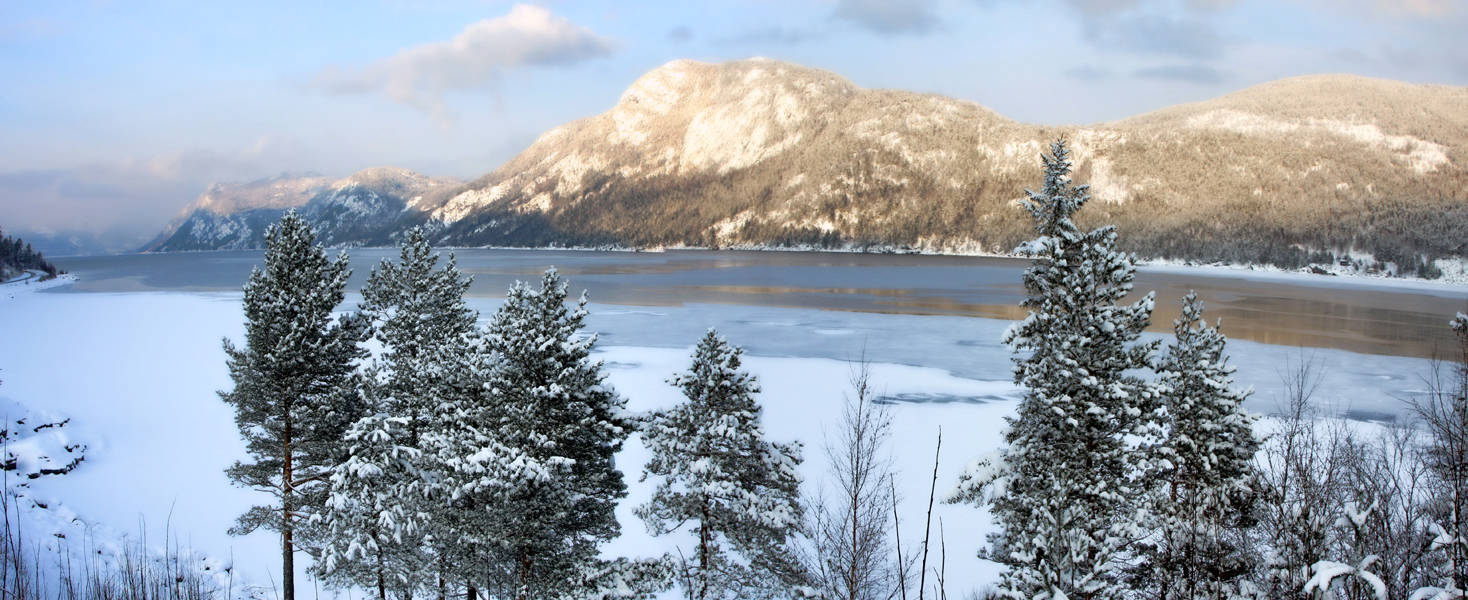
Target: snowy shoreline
9, 289
1454, 282
1454, 279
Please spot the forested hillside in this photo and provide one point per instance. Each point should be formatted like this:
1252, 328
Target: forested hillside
17, 256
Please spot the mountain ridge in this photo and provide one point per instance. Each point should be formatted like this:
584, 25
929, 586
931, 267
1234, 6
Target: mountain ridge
767, 153
354, 210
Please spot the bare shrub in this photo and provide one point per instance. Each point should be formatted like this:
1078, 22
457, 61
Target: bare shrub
851, 555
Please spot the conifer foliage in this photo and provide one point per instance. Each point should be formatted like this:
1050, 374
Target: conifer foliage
294, 392
1205, 468
379, 517
1064, 491
720, 473
529, 468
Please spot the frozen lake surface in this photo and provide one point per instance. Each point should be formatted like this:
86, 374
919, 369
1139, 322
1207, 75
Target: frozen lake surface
1373, 316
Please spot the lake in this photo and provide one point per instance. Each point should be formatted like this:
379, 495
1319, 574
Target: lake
1366, 316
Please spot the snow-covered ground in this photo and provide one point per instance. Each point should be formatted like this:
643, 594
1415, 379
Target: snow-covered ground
137, 373
1453, 283
31, 282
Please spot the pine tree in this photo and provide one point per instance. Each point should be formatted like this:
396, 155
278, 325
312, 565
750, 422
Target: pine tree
529, 465
1064, 492
1205, 468
720, 473
294, 391
382, 505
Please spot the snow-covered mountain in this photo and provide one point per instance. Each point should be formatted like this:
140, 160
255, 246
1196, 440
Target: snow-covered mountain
762, 152
362, 209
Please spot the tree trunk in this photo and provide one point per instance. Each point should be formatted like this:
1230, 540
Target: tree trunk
381, 583
703, 552
524, 591
288, 550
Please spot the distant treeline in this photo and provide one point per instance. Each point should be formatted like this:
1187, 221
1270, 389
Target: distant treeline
1409, 234
17, 256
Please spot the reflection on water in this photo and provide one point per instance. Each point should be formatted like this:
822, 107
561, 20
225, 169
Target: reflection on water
1371, 321
1358, 320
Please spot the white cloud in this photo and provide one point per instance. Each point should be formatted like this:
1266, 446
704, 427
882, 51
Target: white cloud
478, 56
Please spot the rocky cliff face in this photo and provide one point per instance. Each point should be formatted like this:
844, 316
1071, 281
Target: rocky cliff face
761, 152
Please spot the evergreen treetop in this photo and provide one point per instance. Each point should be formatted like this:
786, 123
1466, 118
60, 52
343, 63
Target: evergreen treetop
529, 466
383, 512
719, 472
1210, 439
1204, 468
1065, 490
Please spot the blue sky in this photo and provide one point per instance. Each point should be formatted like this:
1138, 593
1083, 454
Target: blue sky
115, 114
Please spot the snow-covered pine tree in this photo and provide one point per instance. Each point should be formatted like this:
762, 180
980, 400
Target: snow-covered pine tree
381, 511
372, 534
1204, 468
294, 391
720, 473
462, 450
1065, 492
529, 465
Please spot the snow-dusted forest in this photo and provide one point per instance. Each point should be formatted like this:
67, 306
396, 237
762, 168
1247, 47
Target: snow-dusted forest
414, 448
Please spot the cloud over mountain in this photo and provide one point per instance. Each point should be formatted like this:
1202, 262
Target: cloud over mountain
529, 36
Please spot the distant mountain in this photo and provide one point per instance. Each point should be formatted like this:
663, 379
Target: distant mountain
73, 242
361, 210
761, 152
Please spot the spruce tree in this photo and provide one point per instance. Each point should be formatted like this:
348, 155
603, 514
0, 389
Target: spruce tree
381, 513
294, 391
1205, 468
528, 467
1064, 492
720, 473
